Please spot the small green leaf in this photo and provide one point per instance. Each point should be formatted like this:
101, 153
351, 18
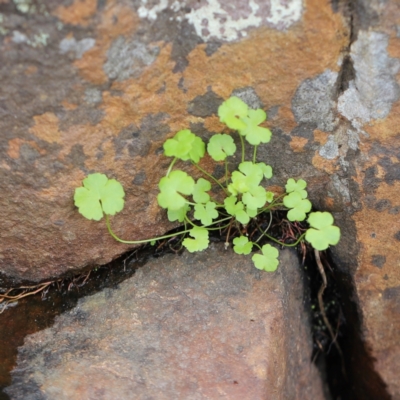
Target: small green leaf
206, 213
231, 111
322, 232
171, 187
299, 206
200, 189
268, 261
152, 243
185, 145
270, 197
220, 146
99, 194
299, 186
200, 241
178, 215
249, 178
236, 210
266, 169
255, 134
255, 198
242, 245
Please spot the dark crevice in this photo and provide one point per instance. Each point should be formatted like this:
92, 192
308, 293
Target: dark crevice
359, 381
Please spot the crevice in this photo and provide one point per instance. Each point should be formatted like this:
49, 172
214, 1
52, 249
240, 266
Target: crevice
360, 380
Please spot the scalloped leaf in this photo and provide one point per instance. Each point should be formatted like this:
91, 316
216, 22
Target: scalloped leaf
241, 245
231, 111
206, 213
299, 206
253, 133
200, 241
185, 145
322, 233
299, 186
171, 189
99, 194
178, 215
200, 189
268, 260
220, 146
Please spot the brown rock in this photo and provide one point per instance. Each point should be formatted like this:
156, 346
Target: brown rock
199, 326
88, 88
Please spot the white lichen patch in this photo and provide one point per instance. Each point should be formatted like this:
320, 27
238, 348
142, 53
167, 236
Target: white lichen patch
228, 21
3, 29
330, 150
38, 40
79, 47
373, 91
126, 58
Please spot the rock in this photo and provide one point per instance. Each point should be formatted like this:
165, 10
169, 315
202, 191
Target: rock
98, 87
199, 326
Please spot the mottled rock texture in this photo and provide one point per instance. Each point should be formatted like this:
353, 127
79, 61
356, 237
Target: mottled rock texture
99, 85
189, 327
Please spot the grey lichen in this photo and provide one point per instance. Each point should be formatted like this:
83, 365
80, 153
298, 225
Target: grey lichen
375, 89
314, 102
126, 58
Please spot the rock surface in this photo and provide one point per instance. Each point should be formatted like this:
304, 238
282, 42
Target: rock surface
91, 86
201, 326
99, 85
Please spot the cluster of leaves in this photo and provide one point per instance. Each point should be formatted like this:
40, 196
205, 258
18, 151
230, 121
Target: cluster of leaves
189, 201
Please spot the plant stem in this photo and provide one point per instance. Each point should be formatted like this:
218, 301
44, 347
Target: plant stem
210, 176
170, 166
226, 172
265, 232
255, 155
256, 244
140, 241
242, 141
284, 244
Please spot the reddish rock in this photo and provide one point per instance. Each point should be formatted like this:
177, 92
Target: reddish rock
89, 86
200, 326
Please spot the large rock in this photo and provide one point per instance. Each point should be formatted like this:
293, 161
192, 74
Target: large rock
201, 326
98, 86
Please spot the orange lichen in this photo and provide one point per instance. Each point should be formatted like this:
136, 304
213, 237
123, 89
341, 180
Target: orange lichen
46, 127
78, 13
297, 143
320, 136
116, 20
321, 163
68, 106
32, 69
385, 130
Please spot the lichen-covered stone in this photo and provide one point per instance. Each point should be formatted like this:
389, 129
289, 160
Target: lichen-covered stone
110, 83
199, 326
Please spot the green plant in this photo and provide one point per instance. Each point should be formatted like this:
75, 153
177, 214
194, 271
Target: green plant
242, 197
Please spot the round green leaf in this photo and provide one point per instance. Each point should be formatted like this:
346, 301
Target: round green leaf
242, 245
205, 213
299, 186
200, 241
255, 134
185, 145
171, 189
231, 111
200, 194
99, 194
268, 260
220, 146
322, 233
299, 206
